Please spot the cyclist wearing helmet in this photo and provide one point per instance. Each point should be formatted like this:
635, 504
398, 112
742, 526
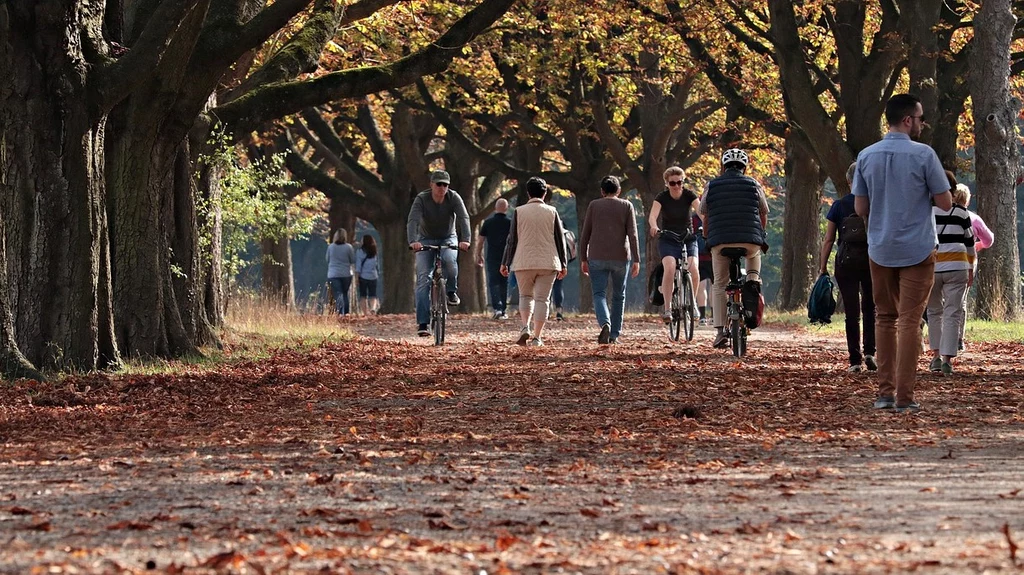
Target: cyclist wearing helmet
735, 213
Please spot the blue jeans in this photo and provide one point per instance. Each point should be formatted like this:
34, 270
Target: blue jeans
601, 271
339, 287
497, 285
557, 293
425, 266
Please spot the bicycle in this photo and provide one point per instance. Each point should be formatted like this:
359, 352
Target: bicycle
735, 313
438, 293
681, 306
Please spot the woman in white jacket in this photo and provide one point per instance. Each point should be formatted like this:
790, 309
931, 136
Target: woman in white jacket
535, 251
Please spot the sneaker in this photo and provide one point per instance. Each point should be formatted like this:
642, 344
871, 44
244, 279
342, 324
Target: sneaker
536, 342
524, 336
453, 298
613, 341
558, 316
497, 315
869, 362
946, 368
854, 368
885, 403
703, 322
935, 365
912, 407
666, 316
605, 336
422, 330
721, 340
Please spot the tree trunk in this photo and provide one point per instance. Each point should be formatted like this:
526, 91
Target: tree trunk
142, 208
210, 223
800, 233
278, 282
398, 272
997, 160
13, 364
471, 286
51, 170
188, 270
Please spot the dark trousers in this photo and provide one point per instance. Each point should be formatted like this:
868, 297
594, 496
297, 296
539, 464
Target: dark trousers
497, 285
858, 301
557, 293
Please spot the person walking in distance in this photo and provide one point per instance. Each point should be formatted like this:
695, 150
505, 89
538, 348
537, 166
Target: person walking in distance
438, 217
367, 273
341, 256
735, 212
853, 274
894, 185
675, 205
954, 274
704, 268
608, 243
494, 233
535, 251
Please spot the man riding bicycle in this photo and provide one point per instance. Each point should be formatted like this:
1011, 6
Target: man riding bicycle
675, 206
735, 213
432, 221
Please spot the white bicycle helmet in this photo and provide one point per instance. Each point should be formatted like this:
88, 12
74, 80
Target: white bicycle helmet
735, 155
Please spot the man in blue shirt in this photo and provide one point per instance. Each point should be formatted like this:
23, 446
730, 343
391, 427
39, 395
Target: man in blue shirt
894, 185
494, 232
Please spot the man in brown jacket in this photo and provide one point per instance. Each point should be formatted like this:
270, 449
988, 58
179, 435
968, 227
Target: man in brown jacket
609, 224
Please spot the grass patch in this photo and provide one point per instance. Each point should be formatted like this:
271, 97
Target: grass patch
977, 330
254, 329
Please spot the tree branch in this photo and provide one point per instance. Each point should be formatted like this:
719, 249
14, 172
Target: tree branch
283, 98
116, 79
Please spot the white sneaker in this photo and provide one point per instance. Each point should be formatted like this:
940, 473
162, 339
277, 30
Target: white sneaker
524, 336
536, 342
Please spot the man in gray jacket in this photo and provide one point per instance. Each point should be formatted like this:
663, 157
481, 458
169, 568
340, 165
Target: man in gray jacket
438, 217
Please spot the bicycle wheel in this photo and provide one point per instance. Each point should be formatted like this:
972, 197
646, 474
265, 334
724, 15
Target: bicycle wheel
438, 306
687, 304
676, 309
739, 337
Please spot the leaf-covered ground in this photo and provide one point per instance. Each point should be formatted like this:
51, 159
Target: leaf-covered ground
387, 455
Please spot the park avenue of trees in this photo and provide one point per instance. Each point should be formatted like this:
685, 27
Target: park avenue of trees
110, 219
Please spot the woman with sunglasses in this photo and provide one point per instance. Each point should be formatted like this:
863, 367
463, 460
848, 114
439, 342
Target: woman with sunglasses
675, 205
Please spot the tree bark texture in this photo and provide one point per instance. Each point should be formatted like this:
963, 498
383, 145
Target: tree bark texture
800, 232
997, 160
398, 267
278, 283
51, 169
13, 364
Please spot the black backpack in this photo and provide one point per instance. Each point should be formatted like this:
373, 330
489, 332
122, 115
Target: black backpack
853, 244
822, 304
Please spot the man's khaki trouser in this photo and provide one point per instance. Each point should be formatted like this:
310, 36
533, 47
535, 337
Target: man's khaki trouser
720, 265
901, 295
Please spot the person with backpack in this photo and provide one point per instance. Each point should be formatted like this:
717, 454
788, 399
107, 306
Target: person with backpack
557, 291
853, 274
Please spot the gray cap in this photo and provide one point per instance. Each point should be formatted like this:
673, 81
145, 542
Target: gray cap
440, 177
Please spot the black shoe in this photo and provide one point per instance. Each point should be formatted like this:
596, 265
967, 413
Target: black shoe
870, 363
885, 402
605, 336
558, 316
422, 330
453, 298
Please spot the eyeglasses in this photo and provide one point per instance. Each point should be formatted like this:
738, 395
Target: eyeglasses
441, 184
675, 183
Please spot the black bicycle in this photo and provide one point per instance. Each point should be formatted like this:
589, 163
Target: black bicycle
735, 313
681, 304
438, 293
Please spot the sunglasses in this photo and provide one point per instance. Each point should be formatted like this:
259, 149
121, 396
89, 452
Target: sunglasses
675, 183
441, 184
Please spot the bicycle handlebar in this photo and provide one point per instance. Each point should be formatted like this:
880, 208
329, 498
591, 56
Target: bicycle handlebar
670, 235
425, 247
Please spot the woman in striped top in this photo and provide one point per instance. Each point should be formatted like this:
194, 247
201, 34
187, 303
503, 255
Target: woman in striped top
954, 274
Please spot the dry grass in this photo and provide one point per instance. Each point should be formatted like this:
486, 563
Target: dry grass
254, 327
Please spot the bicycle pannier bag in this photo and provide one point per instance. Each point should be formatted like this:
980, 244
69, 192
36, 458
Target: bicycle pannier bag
753, 303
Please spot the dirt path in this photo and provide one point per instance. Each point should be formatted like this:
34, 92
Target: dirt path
387, 455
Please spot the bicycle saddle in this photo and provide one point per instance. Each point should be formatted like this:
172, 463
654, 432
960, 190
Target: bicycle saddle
734, 252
